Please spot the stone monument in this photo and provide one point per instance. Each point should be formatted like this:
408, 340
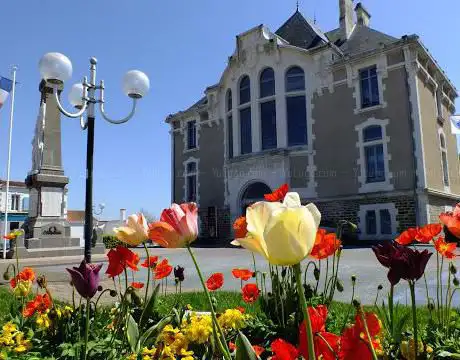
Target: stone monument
47, 232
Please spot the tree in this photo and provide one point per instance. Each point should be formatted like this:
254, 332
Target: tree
148, 215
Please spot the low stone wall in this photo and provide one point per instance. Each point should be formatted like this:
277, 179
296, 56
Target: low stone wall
438, 205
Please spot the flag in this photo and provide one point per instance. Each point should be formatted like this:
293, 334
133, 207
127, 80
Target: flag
5, 87
455, 124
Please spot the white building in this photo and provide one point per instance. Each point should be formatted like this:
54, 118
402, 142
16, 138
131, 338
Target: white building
18, 204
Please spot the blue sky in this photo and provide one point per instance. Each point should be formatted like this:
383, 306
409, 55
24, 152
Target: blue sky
183, 46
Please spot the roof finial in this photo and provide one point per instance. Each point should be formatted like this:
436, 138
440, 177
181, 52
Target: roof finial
297, 5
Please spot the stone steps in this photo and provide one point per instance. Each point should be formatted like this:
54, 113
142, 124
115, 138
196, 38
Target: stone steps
51, 251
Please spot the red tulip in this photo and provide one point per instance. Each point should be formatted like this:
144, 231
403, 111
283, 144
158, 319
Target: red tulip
215, 281
282, 350
121, 258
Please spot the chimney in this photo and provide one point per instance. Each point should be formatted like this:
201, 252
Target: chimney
122, 215
346, 18
362, 15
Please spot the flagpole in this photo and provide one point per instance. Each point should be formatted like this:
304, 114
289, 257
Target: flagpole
8, 166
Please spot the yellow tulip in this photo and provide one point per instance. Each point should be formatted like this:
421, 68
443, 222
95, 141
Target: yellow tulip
284, 233
22, 288
135, 232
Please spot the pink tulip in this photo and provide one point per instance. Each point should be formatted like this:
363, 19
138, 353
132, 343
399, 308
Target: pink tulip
178, 226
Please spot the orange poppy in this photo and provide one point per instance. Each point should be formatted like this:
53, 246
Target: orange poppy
153, 262
240, 227
162, 270
243, 274
250, 293
27, 274
215, 281
278, 194
451, 220
407, 237
231, 346
326, 244
259, 350
428, 232
119, 259
40, 304
137, 285
444, 248
282, 350
241, 309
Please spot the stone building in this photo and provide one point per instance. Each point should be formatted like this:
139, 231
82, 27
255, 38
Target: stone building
352, 119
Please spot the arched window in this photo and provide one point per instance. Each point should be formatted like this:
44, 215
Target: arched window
295, 79
229, 100
373, 154
245, 90
267, 83
296, 106
444, 163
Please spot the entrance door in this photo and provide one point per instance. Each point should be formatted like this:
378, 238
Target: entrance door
253, 193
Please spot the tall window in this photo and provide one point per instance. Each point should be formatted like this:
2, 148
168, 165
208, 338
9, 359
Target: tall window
15, 199
385, 222
444, 163
373, 153
378, 221
369, 87
191, 134
268, 109
191, 174
371, 222
245, 115
296, 106
229, 107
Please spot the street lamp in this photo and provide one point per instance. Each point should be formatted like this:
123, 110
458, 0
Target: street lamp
56, 68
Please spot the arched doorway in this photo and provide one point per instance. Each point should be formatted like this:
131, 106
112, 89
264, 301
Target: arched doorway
254, 192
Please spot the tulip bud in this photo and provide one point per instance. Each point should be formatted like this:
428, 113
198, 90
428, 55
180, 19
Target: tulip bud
353, 278
339, 286
431, 306
113, 293
41, 281
316, 273
99, 288
456, 282
380, 287
214, 302
136, 299
6, 275
356, 303
453, 269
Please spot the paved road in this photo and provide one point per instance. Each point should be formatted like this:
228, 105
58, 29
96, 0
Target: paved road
359, 262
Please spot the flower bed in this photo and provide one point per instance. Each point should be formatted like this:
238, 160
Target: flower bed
288, 313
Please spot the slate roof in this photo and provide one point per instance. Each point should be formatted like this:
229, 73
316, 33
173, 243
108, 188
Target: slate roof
300, 32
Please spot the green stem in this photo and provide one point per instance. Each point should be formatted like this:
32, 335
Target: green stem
447, 309
148, 274
437, 289
255, 268
87, 326
319, 277
440, 289
414, 317
390, 309
304, 306
369, 338
16, 253
224, 347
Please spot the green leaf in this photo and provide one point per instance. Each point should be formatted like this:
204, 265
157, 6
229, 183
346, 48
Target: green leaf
244, 350
154, 330
132, 333
150, 305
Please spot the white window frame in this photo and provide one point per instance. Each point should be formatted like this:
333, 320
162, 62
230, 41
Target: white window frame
386, 185
363, 209
18, 197
354, 75
196, 174
441, 151
197, 135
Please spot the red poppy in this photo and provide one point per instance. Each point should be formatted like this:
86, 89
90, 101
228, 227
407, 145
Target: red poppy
282, 350
374, 325
278, 194
137, 285
325, 245
240, 227
40, 304
407, 237
444, 248
27, 274
215, 281
162, 270
231, 346
451, 220
250, 293
243, 274
323, 340
119, 259
259, 350
153, 262
241, 309
428, 232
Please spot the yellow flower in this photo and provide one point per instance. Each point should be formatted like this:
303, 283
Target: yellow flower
22, 344
132, 357
9, 327
43, 321
407, 349
284, 233
22, 288
198, 328
232, 319
135, 232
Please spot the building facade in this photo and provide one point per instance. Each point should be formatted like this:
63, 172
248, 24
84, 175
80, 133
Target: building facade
18, 205
354, 120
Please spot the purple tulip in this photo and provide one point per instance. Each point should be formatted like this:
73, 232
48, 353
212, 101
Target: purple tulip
403, 262
179, 273
85, 278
